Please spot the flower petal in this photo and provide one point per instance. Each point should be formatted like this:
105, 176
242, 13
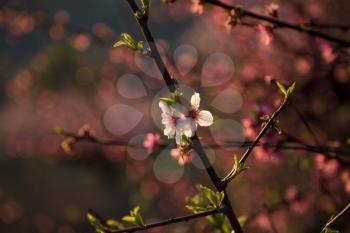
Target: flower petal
178, 137
164, 107
195, 100
205, 118
169, 131
179, 110
187, 126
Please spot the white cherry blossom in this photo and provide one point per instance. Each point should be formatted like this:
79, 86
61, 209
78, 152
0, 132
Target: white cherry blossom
172, 115
180, 121
199, 117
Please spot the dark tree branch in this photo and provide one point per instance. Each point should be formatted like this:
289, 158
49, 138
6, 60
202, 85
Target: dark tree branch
142, 20
279, 23
330, 152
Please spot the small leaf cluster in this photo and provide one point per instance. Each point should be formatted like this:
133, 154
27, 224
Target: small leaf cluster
209, 200
128, 41
145, 5
286, 91
329, 230
135, 217
101, 225
175, 98
238, 167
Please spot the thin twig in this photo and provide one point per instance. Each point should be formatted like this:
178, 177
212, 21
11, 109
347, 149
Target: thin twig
330, 26
246, 154
279, 23
167, 222
336, 217
331, 152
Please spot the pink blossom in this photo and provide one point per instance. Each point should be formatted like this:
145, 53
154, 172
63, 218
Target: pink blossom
151, 142
263, 221
272, 9
329, 167
197, 7
345, 177
249, 128
265, 34
327, 52
182, 157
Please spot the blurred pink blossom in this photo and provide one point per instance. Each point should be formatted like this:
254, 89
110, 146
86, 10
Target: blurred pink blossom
327, 52
272, 9
197, 7
151, 142
265, 34
329, 167
182, 157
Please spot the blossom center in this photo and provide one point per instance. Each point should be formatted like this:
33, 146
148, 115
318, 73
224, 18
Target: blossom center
174, 120
193, 114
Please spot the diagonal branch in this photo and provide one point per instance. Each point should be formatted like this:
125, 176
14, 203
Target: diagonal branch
246, 154
280, 23
336, 217
142, 22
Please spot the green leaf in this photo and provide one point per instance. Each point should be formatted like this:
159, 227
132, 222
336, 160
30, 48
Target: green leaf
291, 89
237, 168
286, 92
126, 41
242, 220
119, 43
96, 221
145, 4
127, 38
215, 198
58, 130
168, 101
134, 217
113, 224
199, 204
282, 88
140, 46
129, 219
329, 230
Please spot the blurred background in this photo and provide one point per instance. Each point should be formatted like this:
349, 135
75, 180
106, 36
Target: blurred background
59, 70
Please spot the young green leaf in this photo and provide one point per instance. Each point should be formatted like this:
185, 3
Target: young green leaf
290, 89
237, 168
145, 5
286, 92
113, 224
199, 204
140, 47
134, 217
58, 130
282, 88
242, 220
96, 221
126, 41
129, 219
168, 101
215, 198
329, 230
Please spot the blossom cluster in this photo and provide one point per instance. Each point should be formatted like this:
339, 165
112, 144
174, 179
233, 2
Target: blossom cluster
181, 122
